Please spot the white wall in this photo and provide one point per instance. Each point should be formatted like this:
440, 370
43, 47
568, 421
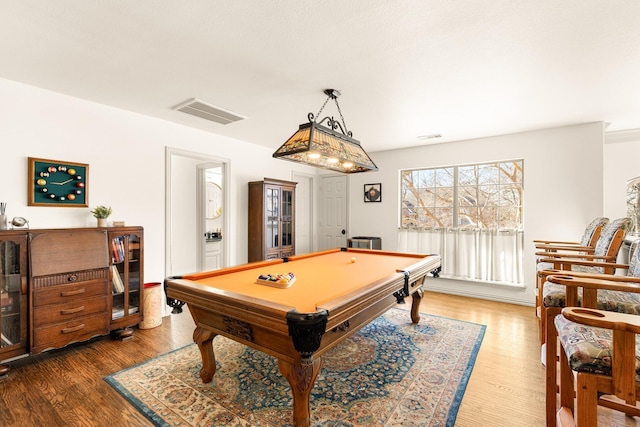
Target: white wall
126, 156
621, 163
563, 173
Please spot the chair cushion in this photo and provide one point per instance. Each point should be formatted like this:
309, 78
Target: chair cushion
554, 295
634, 259
587, 348
543, 266
608, 232
591, 228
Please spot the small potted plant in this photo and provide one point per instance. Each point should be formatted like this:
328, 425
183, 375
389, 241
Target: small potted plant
101, 213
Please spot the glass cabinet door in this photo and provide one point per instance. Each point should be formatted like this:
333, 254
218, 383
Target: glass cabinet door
287, 217
272, 218
126, 279
13, 296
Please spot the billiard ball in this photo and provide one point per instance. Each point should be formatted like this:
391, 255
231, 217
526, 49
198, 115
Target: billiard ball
353, 259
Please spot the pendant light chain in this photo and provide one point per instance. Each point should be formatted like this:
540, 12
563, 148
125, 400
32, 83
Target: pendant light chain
323, 105
342, 117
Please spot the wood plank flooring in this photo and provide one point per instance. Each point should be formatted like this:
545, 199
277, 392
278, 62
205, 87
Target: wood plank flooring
66, 388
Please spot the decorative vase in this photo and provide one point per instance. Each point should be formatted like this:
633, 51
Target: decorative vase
102, 222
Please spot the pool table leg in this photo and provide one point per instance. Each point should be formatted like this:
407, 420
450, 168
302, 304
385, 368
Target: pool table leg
415, 305
301, 379
204, 339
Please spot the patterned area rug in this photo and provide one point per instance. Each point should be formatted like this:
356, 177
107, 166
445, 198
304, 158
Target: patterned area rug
391, 373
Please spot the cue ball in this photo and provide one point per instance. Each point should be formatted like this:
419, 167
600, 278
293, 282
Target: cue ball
353, 259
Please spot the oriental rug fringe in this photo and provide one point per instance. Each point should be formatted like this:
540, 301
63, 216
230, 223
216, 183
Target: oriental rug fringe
391, 373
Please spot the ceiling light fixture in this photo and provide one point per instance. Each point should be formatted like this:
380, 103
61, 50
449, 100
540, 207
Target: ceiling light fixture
324, 147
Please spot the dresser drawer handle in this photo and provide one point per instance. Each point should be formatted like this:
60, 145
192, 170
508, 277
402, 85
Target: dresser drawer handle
73, 310
73, 278
72, 293
75, 328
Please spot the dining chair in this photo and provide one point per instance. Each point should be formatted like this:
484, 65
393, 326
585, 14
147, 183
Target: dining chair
600, 350
545, 248
601, 261
605, 292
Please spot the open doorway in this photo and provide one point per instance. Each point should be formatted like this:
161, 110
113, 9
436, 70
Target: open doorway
185, 210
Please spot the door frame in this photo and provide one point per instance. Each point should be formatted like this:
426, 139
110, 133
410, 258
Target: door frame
226, 171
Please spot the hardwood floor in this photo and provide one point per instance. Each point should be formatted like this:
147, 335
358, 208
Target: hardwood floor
66, 388
506, 387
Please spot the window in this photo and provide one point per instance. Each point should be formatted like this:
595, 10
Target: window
485, 195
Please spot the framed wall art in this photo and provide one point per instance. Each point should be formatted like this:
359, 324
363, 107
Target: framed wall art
58, 183
372, 193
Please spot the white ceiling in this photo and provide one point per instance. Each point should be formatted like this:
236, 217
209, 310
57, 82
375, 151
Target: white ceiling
406, 68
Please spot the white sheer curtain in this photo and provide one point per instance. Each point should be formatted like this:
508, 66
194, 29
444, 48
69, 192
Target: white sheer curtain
489, 255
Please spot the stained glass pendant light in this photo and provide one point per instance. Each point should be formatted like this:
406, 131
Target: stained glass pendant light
329, 147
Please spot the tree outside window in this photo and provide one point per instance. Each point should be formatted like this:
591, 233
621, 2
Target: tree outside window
486, 195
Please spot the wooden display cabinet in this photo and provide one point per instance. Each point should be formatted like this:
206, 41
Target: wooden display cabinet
61, 286
271, 225
13, 296
126, 249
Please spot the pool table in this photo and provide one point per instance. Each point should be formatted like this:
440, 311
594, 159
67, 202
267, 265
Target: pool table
335, 293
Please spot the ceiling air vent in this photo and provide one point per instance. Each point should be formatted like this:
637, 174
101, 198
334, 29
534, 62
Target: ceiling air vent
201, 109
430, 136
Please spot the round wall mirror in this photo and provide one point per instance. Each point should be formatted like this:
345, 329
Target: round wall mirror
214, 200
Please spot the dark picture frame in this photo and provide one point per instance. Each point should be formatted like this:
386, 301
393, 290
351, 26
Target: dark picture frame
373, 193
57, 183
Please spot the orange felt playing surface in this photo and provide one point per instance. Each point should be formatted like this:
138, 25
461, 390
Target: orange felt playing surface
318, 278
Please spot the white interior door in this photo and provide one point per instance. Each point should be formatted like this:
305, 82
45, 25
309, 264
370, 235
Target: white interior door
304, 213
333, 212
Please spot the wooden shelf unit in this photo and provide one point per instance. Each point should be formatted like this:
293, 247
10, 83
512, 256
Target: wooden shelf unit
56, 287
271, 225
126, 307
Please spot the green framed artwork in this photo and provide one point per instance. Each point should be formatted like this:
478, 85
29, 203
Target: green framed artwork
58, 183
